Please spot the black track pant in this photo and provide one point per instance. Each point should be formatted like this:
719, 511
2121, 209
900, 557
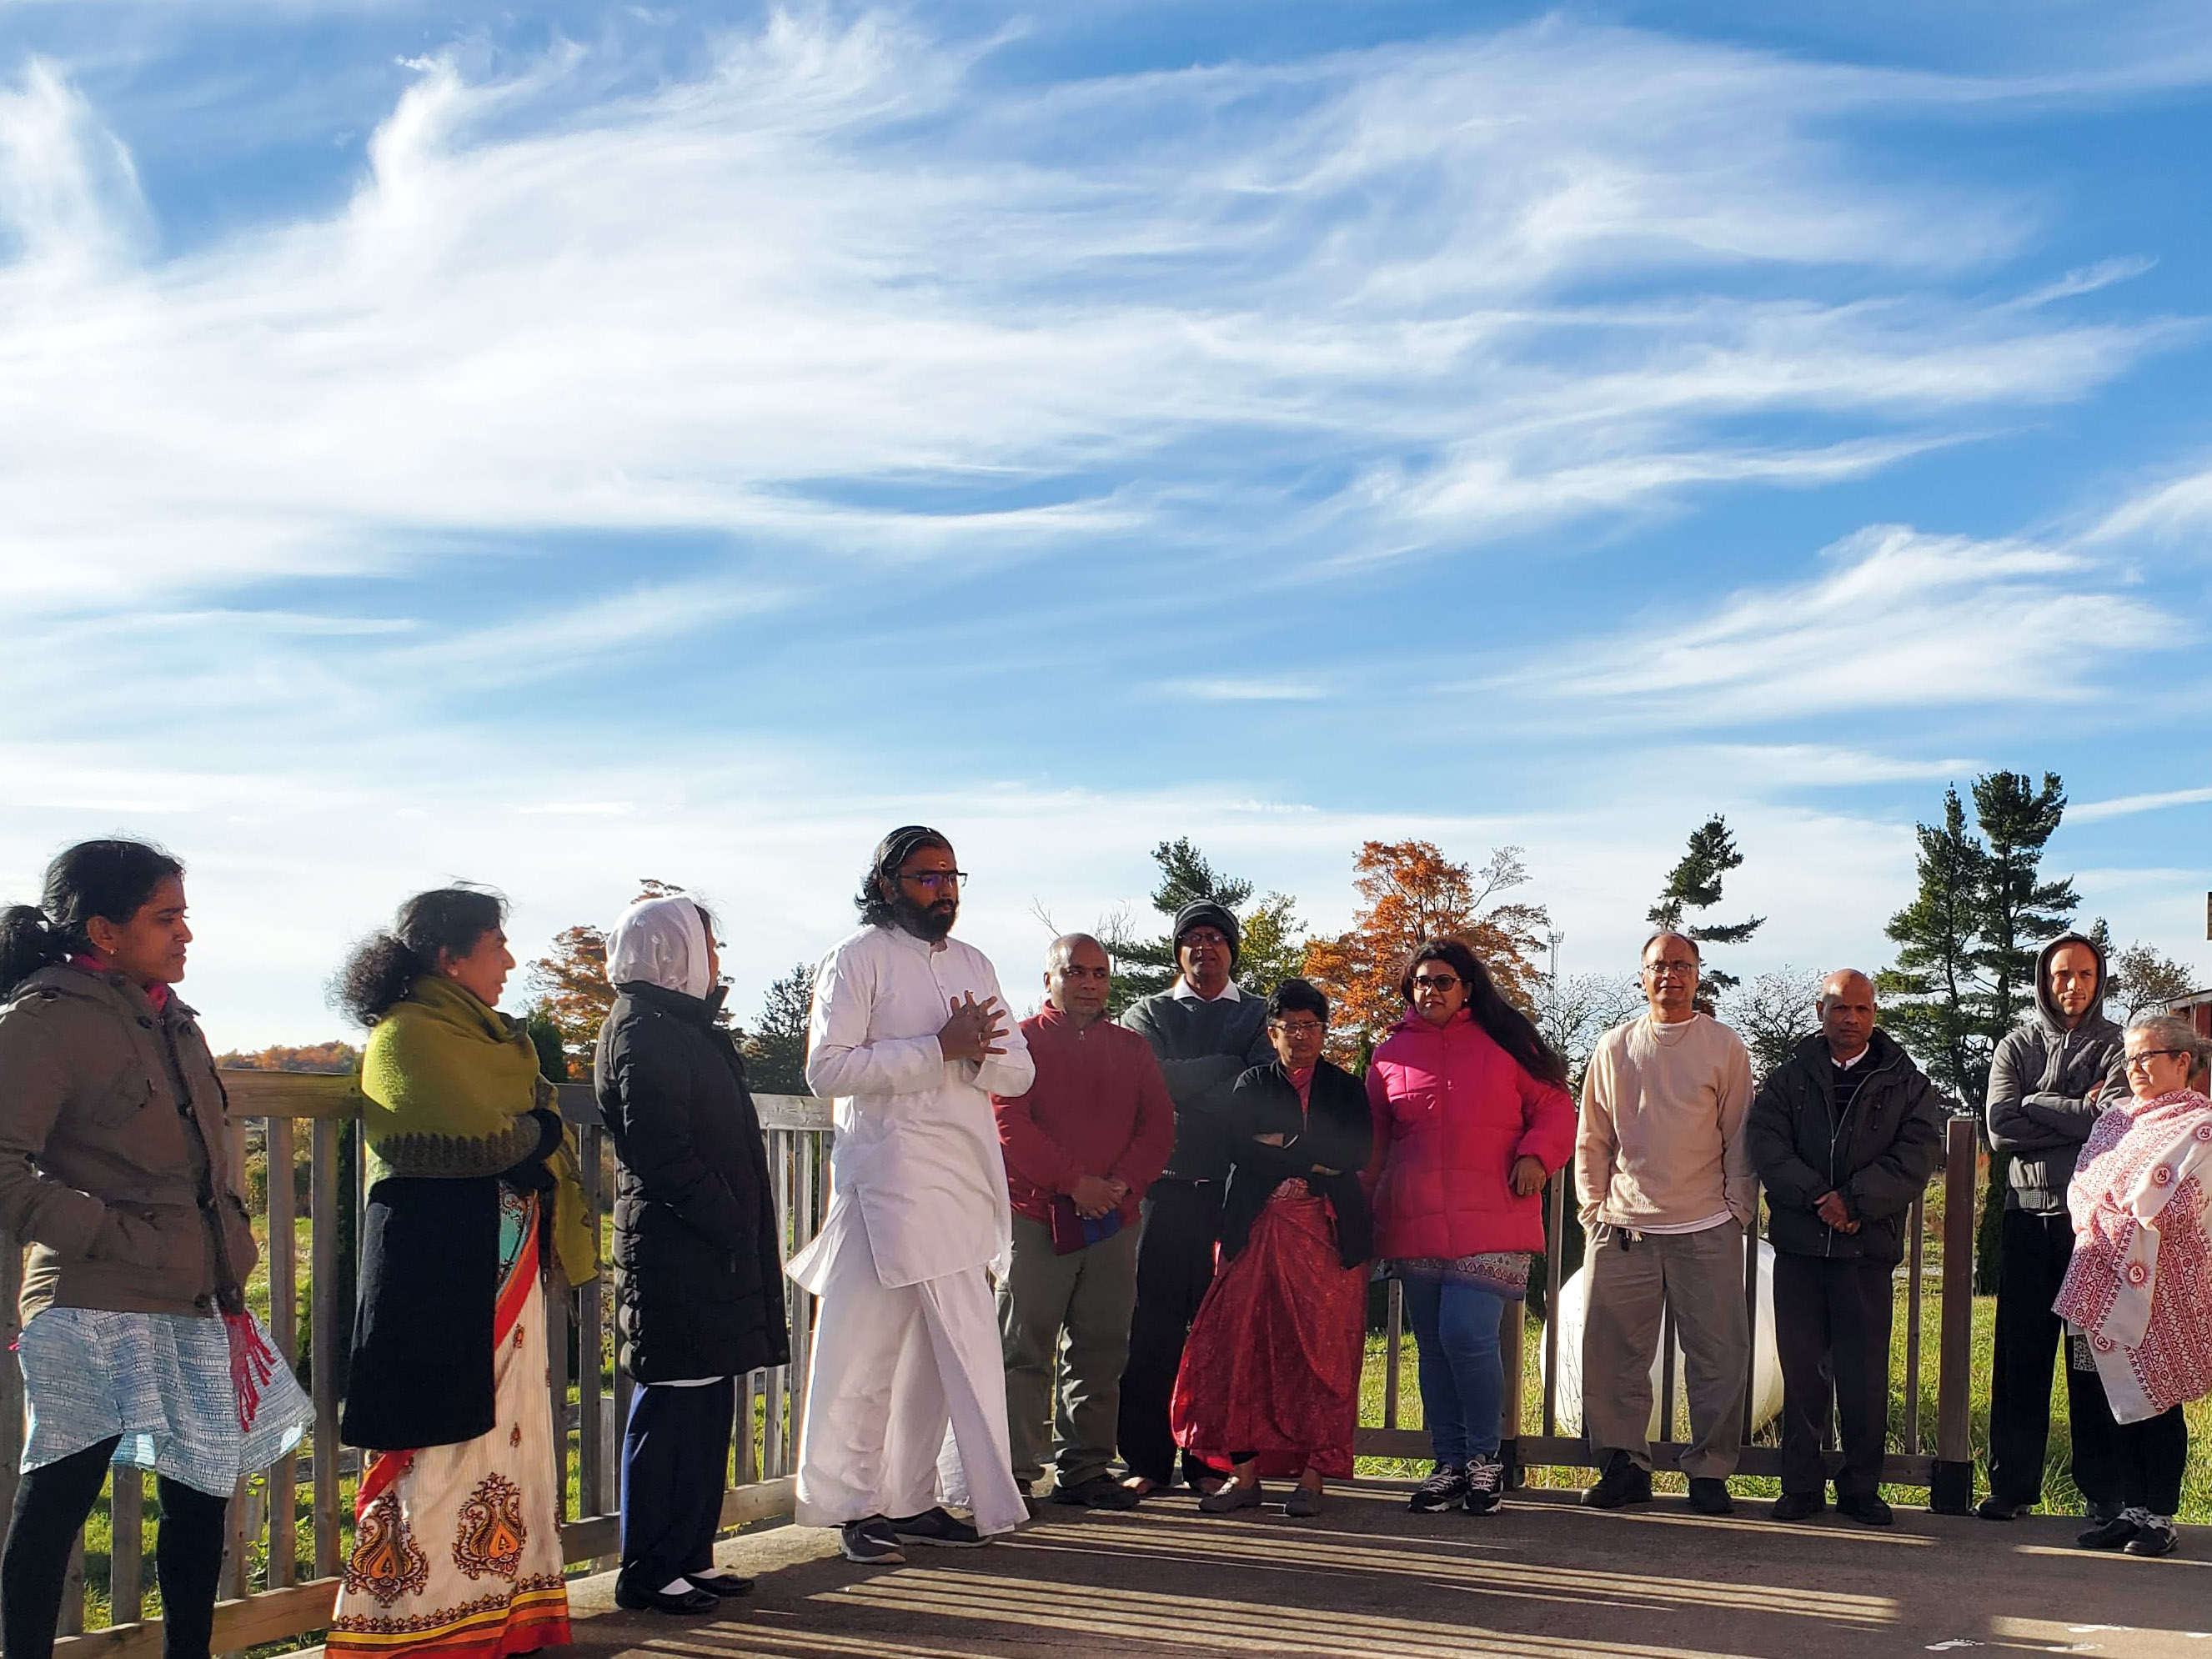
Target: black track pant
1832, 1335
2031, 1266
52, 1503
1175, 1265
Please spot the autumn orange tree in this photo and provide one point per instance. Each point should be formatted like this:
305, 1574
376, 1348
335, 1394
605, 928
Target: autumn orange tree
1412, 893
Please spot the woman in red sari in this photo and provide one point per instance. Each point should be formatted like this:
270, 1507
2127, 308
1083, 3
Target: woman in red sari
1270, 1377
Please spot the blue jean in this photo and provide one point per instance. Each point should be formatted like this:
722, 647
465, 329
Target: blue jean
1462, 1381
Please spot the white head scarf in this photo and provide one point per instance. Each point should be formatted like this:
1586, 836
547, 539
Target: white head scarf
662, 942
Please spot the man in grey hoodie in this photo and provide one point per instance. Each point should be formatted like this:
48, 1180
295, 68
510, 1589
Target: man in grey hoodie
2050, 1080
1205, 1033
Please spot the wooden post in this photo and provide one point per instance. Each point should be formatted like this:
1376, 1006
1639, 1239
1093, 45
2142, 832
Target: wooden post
592, 1483
1393, 1340
1915, 1225
1951, 1490
284, 1331
332, 1327
126, 1548
1554, 1244
1510, 1326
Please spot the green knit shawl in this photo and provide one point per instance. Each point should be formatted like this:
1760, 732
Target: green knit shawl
449, 1085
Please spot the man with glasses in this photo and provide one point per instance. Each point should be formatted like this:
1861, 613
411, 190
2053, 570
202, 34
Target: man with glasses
1666, 1189
2050, 1080
910, 1039
1206, 1034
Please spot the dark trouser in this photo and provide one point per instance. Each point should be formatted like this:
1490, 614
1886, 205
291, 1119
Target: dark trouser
1174, 1266
1831, 1335
2031, 1266
2147, 1457
1064, 1319
52, 1504
675, 1453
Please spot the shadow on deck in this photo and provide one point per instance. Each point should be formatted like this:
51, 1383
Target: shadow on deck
1541, 1579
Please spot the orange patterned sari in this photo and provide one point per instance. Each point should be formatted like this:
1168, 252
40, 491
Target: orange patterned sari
457, 1549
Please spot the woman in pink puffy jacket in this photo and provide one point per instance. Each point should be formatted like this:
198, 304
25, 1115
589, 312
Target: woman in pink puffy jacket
1472, 1115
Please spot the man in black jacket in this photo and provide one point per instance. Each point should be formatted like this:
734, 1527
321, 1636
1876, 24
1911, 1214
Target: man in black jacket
2050, 1081
1205, 1033
1844, 1134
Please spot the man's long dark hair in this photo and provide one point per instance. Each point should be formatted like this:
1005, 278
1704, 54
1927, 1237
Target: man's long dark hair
1511, 1030
892, 851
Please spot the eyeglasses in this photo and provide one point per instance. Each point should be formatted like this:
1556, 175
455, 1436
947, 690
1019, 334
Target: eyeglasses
936, 879
1671, 968
2141, 1062
1435, 981
1201, 936
1299, 1028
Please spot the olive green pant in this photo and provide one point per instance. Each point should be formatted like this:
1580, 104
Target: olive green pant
1065, 1320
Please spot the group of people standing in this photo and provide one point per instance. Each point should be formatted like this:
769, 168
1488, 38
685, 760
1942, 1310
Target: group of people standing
1062, 1243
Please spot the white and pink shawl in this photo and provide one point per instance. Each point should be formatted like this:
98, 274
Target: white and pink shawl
2141, 1282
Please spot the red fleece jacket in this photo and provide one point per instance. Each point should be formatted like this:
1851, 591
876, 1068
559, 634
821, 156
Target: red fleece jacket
1099, 1107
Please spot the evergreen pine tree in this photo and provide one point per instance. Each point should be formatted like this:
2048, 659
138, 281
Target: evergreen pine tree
1932, 998
775, 1048
1694, 883
1274, 944
2020, 911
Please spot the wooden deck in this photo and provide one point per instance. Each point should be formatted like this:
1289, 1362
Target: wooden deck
1540, 1580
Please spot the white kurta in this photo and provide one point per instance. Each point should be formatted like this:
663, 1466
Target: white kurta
906, 1341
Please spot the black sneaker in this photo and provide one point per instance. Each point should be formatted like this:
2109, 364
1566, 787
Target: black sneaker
1485, 1486
1100, 1492
939, 1527
1444, 1487
1621, 1484
1994, 1508
637, 1600
2112, 1534
1866, 1508
871, 1542
728, 1584
1798, 1505
1708, 1495
2154, 1537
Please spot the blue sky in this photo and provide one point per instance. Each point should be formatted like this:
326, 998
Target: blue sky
562, 445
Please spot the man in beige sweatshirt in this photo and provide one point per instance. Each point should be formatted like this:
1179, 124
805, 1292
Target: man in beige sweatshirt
1666, 1189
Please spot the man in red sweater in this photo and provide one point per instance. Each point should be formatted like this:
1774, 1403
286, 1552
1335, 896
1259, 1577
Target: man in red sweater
1092, 1133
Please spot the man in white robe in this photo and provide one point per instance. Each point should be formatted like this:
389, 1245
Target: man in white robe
910, 1038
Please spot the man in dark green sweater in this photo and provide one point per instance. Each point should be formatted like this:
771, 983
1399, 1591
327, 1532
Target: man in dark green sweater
1205, 1033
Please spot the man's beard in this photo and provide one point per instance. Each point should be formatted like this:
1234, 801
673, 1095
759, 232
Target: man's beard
932, 921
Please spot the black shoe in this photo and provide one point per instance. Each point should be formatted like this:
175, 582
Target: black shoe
1798, 1505
651, 1600
726, 1585
1100, 1492
871, 1542
1708, 1495
2112, 1534
1621, 1484
2154, 1537
937, 1527
1485, 1486
1444, 1487
1864, 1507
1994, 1508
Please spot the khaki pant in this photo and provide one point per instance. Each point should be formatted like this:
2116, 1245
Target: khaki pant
1633, 1278
1072, 1309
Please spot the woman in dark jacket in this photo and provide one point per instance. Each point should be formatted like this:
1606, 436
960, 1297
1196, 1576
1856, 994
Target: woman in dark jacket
699, 1275
1270, 1378
119, 1169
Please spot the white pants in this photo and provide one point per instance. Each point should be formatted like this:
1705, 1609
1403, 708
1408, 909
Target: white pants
892, 1369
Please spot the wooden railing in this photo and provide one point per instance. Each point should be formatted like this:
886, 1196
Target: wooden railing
1532, 1439
276, 1587
275, 1584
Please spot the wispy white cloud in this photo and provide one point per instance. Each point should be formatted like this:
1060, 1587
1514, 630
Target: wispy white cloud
1238, 689
1899, 620
835, 259
2120, 806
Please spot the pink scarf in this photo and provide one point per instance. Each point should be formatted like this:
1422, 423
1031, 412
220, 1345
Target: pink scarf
2141, 1282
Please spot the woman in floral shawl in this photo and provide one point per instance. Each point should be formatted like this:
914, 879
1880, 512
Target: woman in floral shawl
473, 1198
2137, 1300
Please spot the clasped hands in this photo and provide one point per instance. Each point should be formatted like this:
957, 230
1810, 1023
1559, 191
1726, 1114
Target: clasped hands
1094, 1196
973, 1030
1831, 1209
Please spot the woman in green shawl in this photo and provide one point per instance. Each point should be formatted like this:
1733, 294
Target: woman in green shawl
474, 1205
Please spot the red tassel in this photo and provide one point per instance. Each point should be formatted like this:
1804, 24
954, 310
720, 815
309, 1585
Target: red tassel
252, 1363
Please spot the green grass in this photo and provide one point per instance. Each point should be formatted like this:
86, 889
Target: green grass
2059, 1495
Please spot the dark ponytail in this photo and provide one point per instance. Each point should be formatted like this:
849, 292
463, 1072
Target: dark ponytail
109, 879
447, 921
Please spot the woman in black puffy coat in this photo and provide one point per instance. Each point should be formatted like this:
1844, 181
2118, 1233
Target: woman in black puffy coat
698, 1269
